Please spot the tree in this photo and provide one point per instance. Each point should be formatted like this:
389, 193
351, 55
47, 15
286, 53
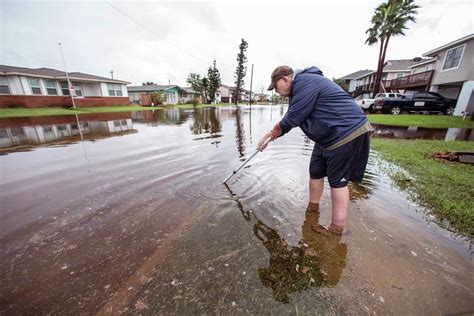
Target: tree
389, 19
241, 69
205, 88
341, 83
214, 81
195, 81
157, 98
148, 83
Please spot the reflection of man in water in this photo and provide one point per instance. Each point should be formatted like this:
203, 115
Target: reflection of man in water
318, 260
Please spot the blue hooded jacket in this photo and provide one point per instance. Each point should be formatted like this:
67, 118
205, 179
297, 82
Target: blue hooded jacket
323, 111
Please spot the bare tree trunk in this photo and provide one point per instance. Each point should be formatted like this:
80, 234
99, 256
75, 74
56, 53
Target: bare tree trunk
378, 74
383, 55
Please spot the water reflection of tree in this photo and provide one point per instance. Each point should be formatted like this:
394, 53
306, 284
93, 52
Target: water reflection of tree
205, 121
317, 260
239, 133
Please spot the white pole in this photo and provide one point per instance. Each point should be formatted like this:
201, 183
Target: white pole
67, 76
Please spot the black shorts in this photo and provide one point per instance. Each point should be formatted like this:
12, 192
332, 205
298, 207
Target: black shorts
342, 164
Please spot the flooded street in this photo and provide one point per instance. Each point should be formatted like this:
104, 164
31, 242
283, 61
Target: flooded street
135, 219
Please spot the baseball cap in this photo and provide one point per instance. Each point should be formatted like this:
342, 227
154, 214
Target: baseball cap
278, 73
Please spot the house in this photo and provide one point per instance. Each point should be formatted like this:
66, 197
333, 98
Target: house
226, 93
351, 79
189, 95
46, 87
142, 94
261, 97
392, 69
454, 72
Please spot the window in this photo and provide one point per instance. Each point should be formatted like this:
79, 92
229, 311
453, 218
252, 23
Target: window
4, 85
399, 75
453, 57
64, 88
51, 87
77, 88
35, 85
114, 89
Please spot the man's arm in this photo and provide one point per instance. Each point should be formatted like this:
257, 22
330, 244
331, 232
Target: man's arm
305, 94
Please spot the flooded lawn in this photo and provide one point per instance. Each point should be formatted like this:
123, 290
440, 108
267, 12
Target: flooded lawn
135, 219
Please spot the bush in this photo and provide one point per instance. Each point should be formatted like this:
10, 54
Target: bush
157, 98
195, 101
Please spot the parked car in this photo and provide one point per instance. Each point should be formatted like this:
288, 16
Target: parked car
414, 101
383, 96
366, 104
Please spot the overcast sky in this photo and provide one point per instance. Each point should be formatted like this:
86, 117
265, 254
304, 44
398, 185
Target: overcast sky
163, 41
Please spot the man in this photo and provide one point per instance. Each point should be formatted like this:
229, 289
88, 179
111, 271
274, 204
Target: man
337, 125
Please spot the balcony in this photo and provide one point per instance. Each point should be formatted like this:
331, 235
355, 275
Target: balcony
419, 80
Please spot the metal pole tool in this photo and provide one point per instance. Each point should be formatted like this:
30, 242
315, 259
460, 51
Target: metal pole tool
245, 162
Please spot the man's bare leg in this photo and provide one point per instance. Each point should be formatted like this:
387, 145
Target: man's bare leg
340, 205
316, 187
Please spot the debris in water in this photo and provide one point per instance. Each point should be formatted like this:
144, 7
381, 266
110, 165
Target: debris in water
130, 288
234, 303
414, 253
381, 299
457, 156
226, 264
141, 305
107, 287
64, 267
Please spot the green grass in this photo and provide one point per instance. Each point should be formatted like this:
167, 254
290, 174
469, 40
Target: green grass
432, 121
22, 112
446, 188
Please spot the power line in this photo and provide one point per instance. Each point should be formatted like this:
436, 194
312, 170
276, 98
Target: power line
154, 33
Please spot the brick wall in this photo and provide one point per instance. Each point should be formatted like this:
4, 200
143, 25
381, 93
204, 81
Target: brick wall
40, 101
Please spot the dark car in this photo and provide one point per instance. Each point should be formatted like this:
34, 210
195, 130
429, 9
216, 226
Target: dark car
414, 101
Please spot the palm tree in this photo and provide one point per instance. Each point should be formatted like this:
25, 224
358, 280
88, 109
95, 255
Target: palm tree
389, 19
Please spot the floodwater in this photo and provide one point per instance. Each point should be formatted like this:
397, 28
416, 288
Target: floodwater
135, 219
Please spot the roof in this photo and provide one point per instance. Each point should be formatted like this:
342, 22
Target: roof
189, 90
53, 73
423, 62
153, 87
399, 64
462, 40
356, 74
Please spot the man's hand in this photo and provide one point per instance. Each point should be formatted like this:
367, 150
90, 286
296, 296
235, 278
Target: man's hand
273, 134
262, 143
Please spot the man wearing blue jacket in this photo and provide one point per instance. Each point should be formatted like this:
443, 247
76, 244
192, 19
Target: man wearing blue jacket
338, 126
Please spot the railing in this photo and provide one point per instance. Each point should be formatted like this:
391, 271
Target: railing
416, 80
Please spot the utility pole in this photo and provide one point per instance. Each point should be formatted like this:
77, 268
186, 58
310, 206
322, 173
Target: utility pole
69, 86
112, 74
251, 79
